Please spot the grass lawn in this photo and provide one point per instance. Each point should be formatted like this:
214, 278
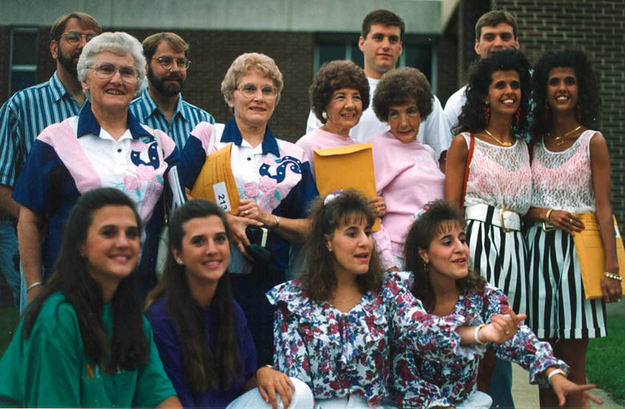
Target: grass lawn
604, 361
8, 322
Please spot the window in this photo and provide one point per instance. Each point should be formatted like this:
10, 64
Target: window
23, 56
417, 52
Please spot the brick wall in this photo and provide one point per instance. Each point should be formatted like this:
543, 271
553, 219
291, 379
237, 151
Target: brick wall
212, 52
597, 27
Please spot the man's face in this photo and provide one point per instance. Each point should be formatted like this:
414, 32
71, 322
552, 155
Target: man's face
67, 49
381, 48
495, 38
167, 81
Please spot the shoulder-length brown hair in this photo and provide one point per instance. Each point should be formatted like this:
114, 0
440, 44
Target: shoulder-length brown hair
328, 214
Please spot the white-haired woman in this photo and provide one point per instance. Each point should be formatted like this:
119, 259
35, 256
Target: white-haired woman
273, 180
103, 146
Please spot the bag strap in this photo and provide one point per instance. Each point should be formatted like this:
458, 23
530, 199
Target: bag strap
466, 171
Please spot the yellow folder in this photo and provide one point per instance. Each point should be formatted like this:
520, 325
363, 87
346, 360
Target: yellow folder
589, 248
346, 167
216, 181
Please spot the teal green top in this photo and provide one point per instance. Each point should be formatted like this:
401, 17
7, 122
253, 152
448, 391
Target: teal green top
50, 368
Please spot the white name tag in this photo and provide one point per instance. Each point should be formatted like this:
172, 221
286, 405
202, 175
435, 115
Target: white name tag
221, 196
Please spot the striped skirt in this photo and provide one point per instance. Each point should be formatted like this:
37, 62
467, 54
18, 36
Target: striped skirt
501, 258
558, 308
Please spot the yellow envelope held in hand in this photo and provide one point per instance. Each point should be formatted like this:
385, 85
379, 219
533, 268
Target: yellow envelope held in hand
591, 256
346, 167
216, 181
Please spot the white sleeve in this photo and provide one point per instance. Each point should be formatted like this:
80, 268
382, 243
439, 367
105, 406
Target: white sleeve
434, 131
313, 122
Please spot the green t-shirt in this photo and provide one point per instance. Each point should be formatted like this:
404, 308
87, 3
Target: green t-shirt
50, 368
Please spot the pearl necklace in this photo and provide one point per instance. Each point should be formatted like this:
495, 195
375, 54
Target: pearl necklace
559, 140
499, 141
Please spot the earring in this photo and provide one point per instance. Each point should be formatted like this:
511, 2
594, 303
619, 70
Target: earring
426, 269
324, 115
579, 113
517, 116
487, 113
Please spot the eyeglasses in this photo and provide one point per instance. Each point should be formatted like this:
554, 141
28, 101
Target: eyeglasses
168, 62
106, 71
74, 37
250, 91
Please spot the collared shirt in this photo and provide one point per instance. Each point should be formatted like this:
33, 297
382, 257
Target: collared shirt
24, 116
76, 155
185, 118
274, 174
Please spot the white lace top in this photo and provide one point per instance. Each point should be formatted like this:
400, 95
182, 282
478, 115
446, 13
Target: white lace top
563, 180
499, 176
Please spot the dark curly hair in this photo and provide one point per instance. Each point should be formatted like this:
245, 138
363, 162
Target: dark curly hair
588, 85
472, 117
438, 214
336, 75
318, 277
402, 86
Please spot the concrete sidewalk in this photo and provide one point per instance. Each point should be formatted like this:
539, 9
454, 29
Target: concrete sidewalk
526, 395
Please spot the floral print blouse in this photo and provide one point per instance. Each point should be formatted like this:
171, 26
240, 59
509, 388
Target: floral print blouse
456, 377
341, 353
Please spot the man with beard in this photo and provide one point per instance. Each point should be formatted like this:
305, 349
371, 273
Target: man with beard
161, 105
31, 110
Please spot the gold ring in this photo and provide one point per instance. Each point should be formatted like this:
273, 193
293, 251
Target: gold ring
245, 213
570, 220
507, 332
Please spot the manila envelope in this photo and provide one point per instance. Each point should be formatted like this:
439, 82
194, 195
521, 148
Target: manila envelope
216, 181
589, 248
346, 167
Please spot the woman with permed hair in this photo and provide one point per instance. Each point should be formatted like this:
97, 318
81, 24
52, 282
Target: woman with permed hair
407, 174
338, 95
83, 342
489, 178
274, 183
336, 328
103, 146
438, 255
571, 191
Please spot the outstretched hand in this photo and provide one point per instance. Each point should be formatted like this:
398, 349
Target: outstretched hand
562, 387
502, 327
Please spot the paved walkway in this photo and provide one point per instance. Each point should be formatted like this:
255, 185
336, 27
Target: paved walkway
526, 395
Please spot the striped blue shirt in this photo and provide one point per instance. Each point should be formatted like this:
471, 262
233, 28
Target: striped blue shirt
185, 118
24, 116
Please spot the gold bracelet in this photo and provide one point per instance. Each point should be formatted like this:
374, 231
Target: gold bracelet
613, 276
547, 215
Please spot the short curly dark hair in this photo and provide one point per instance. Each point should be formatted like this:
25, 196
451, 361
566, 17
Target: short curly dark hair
471, 118
336, 75
402, 86
588, 85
